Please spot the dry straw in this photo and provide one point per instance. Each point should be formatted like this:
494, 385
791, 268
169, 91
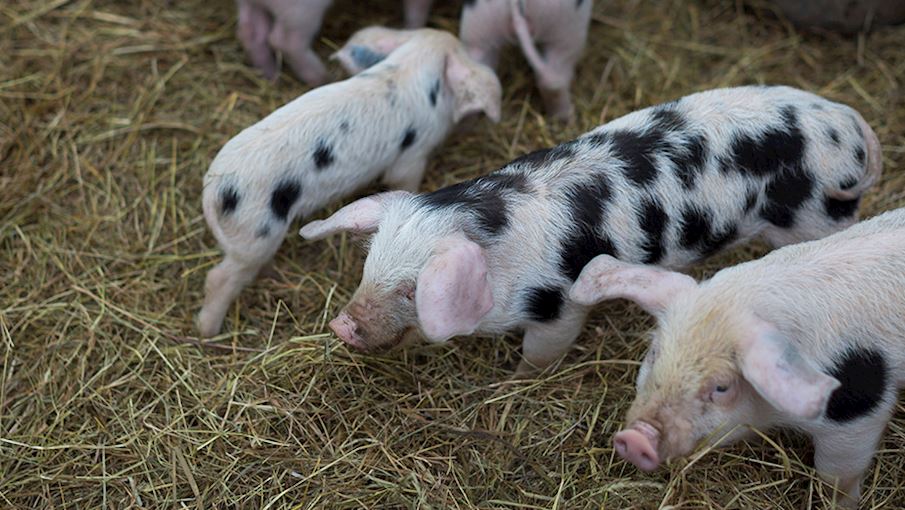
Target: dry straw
109, 115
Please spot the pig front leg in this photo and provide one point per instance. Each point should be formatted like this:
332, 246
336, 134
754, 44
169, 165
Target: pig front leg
842, 455
544, 343
406, 174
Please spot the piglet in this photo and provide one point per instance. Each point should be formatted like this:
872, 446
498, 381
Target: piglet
667, 185
812, 337
329, 143
551, 34
289, 26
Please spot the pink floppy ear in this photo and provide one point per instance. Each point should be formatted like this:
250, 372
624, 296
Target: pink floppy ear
362, 216
453, 293
475, 87
779, 373
605, 277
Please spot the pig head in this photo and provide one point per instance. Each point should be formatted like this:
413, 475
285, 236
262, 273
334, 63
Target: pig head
712, 370
439, 286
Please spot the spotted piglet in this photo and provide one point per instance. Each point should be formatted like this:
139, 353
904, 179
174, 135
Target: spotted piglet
811, 337
551, 34
668, 185
289, 26
329, 143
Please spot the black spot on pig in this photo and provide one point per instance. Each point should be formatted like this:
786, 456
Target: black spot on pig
541, 157
578, 4
772, 151
469, 3
848, 183
859, 155
408, 138
817, 106
502, 181
695, 227
284, 197
751, 200
862, 373
699, 233
434, 92
229, 200
667, 118
653, 220
716, 241
833, 134
543, 304
344, 126
263, 232
365, 57
323, 155
637, 150
483, 197
785, 194
840, 209
586, 203
689, 160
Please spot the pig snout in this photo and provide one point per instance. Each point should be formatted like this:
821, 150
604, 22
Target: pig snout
638, 445
345, 328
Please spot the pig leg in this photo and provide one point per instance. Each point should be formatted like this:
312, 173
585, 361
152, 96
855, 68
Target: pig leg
222, 287
553, 69
253, 29
406, 174
545, 343
240, 266
294, 39
416, 12
842, 460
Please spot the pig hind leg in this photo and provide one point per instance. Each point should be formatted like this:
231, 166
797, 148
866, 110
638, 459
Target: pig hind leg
293, 37
544, 343
253, 30
554, 80
225, 281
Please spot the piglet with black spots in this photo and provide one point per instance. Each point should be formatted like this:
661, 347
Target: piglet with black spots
810, 337
668, 185
551, 34
329, 143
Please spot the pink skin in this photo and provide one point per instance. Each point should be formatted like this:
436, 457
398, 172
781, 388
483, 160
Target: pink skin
638, 445
345, 328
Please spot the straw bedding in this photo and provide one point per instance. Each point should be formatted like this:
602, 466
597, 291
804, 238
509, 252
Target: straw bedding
110, 113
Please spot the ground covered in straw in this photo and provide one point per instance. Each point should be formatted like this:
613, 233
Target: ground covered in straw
110, 113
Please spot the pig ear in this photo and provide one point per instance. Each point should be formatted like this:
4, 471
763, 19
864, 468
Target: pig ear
453, 292
608, 278
362, 216
475, 87
779, 373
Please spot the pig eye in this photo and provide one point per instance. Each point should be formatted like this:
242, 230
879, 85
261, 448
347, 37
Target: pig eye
721, 389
